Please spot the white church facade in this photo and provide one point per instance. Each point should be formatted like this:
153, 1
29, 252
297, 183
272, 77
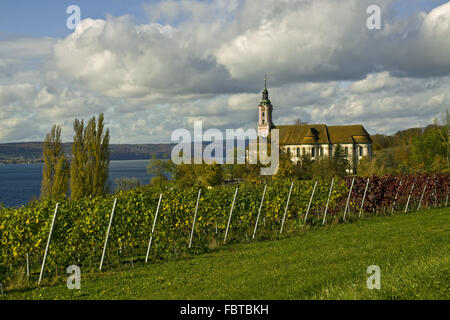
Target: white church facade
315, 140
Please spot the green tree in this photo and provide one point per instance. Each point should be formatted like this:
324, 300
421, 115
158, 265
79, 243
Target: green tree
99, 154
90, 158
323, 167
78, 166
55, 173
340, 162
125, 183
199, 174
234, 171
286, 168
211, 174
158, 181
159, 168
383, 162
425, 149
443, 129
335, 165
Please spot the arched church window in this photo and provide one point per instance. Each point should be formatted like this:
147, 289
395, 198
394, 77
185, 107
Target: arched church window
289, 152
298, 152
313, 152
360, 151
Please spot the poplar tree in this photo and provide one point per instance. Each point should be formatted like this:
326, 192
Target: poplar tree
90, 158
55, 173
78, 165
98, 155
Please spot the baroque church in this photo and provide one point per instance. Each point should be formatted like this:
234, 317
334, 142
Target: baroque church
315, 140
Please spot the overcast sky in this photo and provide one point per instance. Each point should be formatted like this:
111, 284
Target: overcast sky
155, 66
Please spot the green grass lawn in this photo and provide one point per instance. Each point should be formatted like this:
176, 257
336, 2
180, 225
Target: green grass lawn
412, 250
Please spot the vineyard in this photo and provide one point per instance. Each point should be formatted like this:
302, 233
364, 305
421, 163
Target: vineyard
187, 221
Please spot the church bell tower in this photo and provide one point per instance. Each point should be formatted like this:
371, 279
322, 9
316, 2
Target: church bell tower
265, 123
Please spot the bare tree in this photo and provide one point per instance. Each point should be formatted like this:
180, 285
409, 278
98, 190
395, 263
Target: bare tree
299, 121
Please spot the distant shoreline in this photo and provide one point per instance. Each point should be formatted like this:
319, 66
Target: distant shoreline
5, 162
31, 152
42, 161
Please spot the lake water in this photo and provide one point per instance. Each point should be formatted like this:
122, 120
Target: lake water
20, 183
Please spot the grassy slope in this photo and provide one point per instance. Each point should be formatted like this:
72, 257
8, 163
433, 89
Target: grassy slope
411, 249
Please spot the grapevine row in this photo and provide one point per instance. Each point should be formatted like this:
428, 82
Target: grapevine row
80, 226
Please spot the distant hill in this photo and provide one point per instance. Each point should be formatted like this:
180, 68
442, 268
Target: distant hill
32, 151
23, 152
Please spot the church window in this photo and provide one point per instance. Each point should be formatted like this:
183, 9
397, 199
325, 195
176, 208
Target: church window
321, 151
360, 151
313, 153
289, 152
298, 152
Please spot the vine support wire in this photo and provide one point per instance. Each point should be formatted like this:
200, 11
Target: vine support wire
328, 202
48, 244
259, 211
421, 197
396, 196
310, 201
409, 197
229, 218
107, 234
446, 198
28, 266
286, 208
153, 229
434, 190
348, 198
195, 218
435, 196
364, 198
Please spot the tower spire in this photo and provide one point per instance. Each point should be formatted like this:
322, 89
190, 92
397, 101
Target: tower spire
265, 94
265, 123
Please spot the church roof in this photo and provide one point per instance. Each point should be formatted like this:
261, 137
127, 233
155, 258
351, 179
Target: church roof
303, 134
348, 134
322, 134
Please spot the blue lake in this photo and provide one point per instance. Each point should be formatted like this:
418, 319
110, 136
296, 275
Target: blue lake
20, 183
